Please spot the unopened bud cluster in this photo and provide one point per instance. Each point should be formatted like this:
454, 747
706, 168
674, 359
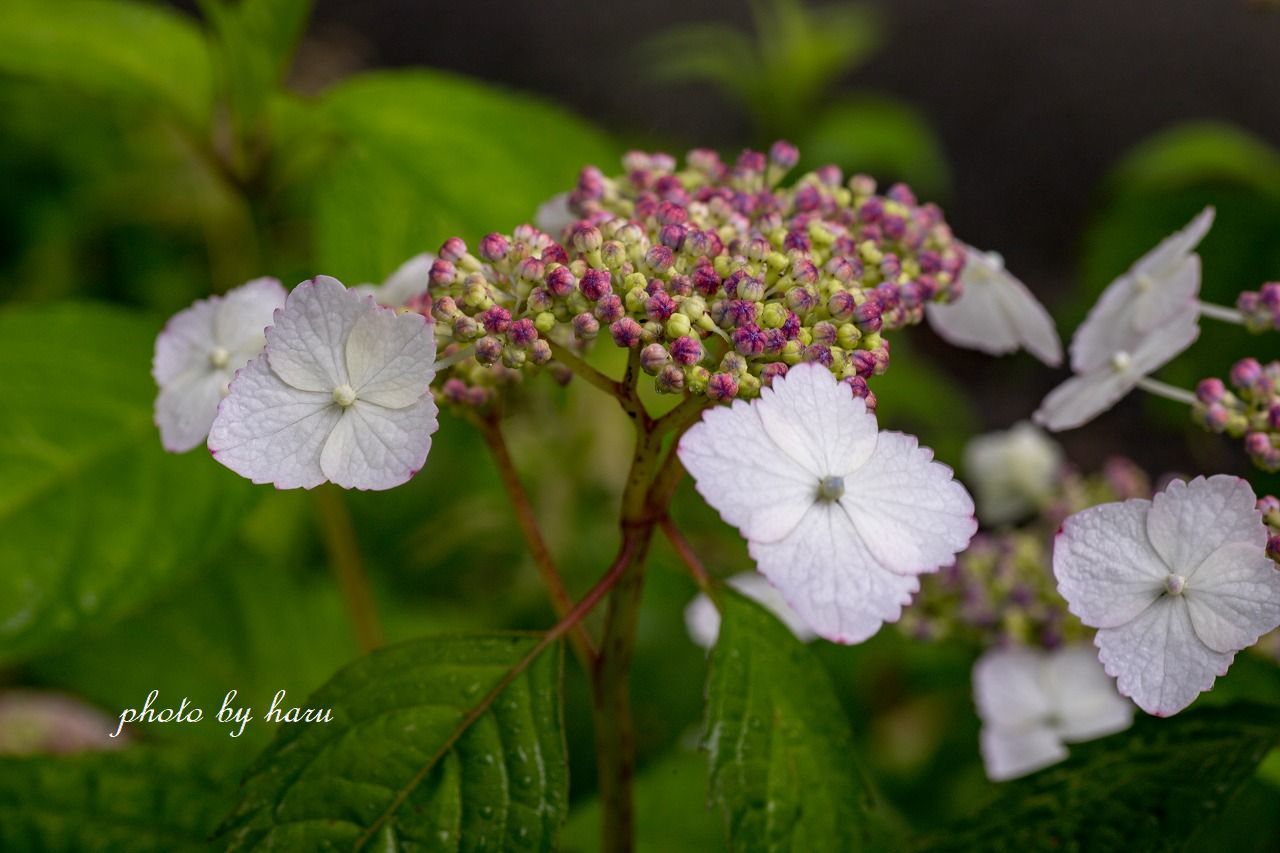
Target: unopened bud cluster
1001, 590
1261, 308
716, 277
1247, 407
1269, 506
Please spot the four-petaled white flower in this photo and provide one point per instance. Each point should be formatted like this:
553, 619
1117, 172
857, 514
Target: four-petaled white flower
840, 517
1012, 473
1095, 389
1175, 586
1033, 702
409, 280
198, 352
340, 394
703, 620
1156, 289
996, 313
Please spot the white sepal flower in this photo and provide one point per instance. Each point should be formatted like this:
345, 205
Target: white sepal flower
1012, 473
996, 313
1158, 287
1033, 702
1175, 586
840, 517
1091, 392
554, 216
198, 352
409, 280
341, 393
703, 620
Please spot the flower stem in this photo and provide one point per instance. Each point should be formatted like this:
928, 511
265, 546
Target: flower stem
588, 373
344, 557
686, 554
491, 429
1169, 392
1221, 312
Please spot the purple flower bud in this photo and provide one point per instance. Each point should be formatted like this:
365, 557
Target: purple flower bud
1210, 390
680, 285
488, 350
560, 281
871, 210
1246, 373
554, 254
671, 214
772, 371
1273, 547
453, 249
749, 340
653, 358
751, 289
686, 350
722, 387
540, 351
442, 273
830, 175
804, 271
858, 386
522, 332
863, 362
672, 236
824, 333
705, 280
494, 247
596, 284
801, 300
739, 312
530, 269
784, 155
540, 300
902, 194
496, 320
670, 380
808, 198
796, 241
626, 332
454, 390
660, 306
862, 185
841, 305
609, 309
465, 328
659, 258
585, 237
867, 317
445, 309
585, 326
818, 354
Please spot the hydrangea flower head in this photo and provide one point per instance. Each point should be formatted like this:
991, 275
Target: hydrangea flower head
1033, 702
995, 313
1104, 383
1013, 472
341, 393
1158, 287
703, 620
840, 517
198, 352
1175, 586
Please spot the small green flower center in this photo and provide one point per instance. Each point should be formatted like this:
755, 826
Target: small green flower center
1144, 283
1175, 584
831, 488
1121, 361
344, 395
219, 358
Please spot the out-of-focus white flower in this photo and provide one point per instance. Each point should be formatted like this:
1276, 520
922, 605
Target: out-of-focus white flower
1156, 289
996, 313
409, 280
341, 393
1094, 390
554, 216
198, 352
1012, 473
1175, 586
1032, 703
703, 620
840, 517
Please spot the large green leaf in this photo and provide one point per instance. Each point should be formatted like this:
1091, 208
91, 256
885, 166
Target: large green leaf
782, 756
95, 517
140, 53
421, 753
426, 156
142, 799
1150, 788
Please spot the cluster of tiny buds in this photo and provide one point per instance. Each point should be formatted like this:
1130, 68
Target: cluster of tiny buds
1261, 308
1001, 590
1269, 506
716, 277
1247, 406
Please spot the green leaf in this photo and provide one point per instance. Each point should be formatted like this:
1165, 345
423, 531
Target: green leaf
782, 757
1149, 788
95, 517
428, 156
140, 53
1199, 152
141, 799
419, 753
